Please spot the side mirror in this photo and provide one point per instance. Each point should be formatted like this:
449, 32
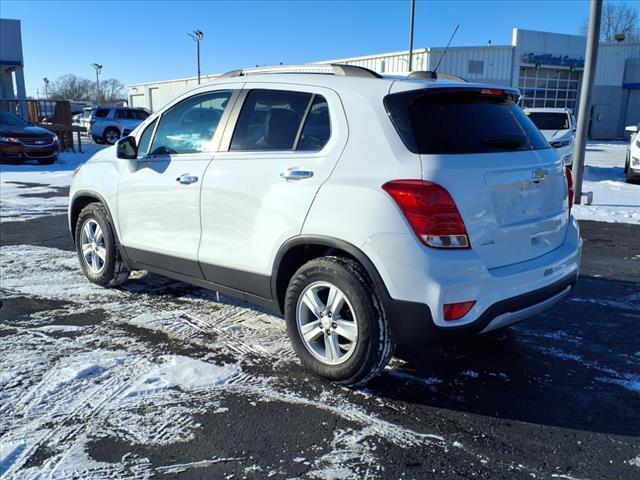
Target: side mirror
127, 148
631, 128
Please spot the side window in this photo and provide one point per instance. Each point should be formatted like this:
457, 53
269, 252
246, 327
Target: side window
317, 126
189, 126
101, 112
121, 114
145, 138
270, 120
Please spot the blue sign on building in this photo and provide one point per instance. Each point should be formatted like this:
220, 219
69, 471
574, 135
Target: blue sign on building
550, 59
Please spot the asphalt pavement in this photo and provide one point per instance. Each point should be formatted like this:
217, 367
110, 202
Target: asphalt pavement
556, 396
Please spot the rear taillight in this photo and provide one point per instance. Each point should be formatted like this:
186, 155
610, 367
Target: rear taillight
570, 191
491, 91
431, 212
455, 311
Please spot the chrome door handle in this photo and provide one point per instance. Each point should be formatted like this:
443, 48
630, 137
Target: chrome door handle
296, 174
186, 179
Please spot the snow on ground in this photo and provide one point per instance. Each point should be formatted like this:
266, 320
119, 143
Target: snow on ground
65, 386
30, 179
614, 200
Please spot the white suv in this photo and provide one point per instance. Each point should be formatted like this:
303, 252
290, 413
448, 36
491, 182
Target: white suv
370, 211
558, 125
632, 162
108, 124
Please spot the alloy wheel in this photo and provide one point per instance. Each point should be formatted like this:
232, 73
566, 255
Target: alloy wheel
94, 251
327, 323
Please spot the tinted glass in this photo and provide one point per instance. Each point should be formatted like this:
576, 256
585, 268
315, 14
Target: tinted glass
317, 127
189, 126
8, 118
138, 114
461, 122
549, 120
143, 145
270, 120
101, 112
122, 114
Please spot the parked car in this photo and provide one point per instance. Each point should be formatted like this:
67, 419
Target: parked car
85, 120
632, 162
21, 141
108, 123
558, 125
371, 211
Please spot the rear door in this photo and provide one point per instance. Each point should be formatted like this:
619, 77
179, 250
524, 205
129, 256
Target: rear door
159, 193
284, 143
506, 180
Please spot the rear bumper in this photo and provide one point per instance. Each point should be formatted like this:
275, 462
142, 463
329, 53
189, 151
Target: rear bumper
420, 282
412, 322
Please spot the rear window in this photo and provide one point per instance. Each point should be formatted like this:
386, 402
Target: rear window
461, 122
101, 112
549, 120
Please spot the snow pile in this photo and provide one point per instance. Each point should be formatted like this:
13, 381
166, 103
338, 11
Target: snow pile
33, 179
614, 200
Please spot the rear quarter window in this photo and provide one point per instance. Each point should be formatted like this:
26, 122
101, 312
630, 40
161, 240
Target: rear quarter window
101, 113
456, 121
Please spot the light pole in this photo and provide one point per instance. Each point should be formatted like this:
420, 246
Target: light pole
46, 87
413, 11
98, 68
591, 57
197, 35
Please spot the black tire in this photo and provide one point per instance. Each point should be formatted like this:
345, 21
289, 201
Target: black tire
373, 347
114, 271
106, 136
47, 161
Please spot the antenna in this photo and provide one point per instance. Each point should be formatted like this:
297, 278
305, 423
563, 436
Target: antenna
446, 48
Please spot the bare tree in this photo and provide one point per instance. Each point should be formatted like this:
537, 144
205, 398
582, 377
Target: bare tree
72, 87
111, 90
617, 17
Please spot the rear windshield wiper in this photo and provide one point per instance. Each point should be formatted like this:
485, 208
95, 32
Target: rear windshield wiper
507, 142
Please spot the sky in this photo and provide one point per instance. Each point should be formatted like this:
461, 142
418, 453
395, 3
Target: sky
144, 41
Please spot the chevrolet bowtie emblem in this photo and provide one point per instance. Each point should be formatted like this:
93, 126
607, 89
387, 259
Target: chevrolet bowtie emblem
539, 175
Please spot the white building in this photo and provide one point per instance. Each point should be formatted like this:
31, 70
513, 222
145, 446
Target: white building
11, 62
547, 67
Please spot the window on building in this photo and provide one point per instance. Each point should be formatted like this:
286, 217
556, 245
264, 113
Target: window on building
189, 126
476, 66
270, 120
549, 87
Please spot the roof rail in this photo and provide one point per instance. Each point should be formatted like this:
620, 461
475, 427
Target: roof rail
430, 75
320, 68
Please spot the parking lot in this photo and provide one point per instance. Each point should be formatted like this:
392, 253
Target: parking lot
159, 378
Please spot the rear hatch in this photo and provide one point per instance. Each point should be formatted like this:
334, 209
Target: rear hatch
508, 183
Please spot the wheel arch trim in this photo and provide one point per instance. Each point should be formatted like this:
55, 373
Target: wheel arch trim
74, 212
329, 242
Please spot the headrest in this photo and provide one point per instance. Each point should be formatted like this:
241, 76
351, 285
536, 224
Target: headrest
281, 127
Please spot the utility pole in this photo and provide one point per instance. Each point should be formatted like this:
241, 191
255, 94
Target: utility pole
98, 68
591, 57
413, 10
46, 87
197, 35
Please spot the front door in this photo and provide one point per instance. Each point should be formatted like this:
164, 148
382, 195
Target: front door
159, 194
260, 186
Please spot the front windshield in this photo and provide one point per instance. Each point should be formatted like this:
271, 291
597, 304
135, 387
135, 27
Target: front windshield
549, 120
8, 118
